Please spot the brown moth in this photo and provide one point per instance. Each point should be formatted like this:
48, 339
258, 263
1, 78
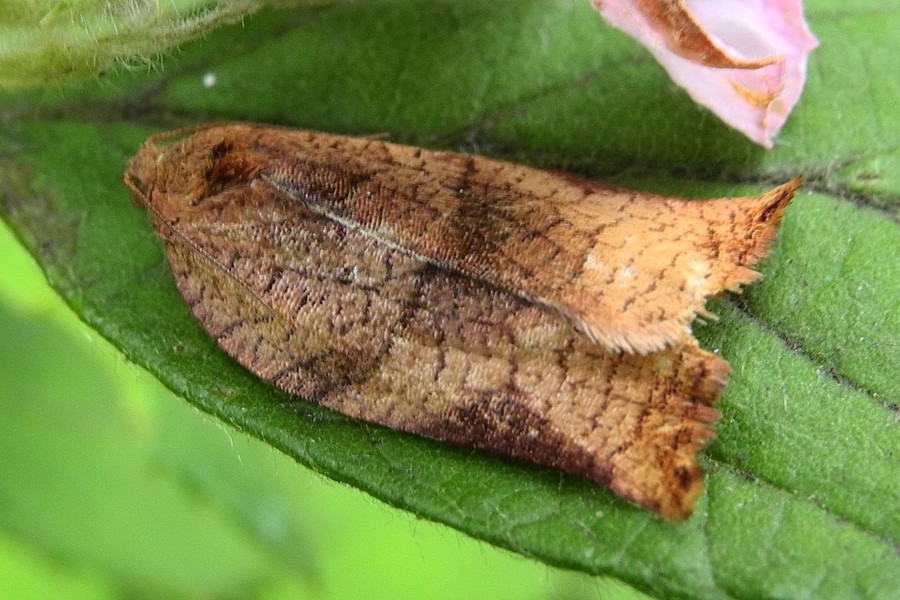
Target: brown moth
532, 314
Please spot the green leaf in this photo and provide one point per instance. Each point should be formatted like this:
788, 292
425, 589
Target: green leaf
802, 490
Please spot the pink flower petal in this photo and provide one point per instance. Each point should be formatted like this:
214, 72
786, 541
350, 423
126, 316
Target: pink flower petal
743, 59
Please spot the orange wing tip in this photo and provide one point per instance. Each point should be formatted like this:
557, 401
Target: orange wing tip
767, 215
685, 481
680, 480
686, 478
761, 220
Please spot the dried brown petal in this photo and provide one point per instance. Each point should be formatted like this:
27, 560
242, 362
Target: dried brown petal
435, 293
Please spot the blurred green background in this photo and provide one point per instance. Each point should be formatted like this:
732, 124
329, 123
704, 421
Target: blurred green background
199, 510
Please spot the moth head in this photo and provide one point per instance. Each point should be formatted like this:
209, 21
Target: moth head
161, 172
179, 170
